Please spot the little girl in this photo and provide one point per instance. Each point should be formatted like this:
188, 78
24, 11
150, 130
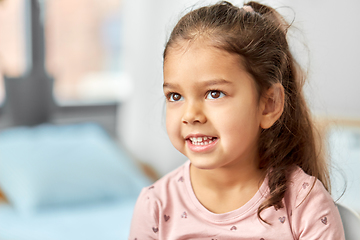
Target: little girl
235, 108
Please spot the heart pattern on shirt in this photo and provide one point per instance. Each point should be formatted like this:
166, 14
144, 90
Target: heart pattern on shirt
166, 218
184, 215
305, 185
324, 220
155, 229
181, 179
282, 219
233, 228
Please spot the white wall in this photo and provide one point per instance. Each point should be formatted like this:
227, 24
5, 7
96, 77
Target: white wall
329, 28
333, 33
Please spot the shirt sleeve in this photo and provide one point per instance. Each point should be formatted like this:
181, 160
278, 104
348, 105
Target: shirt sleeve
315, 215
144, 223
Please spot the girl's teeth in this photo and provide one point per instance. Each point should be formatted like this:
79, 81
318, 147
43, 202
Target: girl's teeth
201, 140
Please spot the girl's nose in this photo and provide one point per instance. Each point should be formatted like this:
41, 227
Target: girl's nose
193, 114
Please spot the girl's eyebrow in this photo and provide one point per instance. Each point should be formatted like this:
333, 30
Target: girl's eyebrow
170, 85
204, 83
215, 82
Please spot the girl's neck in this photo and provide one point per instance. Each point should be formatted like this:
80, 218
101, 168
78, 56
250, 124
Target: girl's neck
227, 177
226, 189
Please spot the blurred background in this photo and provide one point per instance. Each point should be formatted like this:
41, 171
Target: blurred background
90, 72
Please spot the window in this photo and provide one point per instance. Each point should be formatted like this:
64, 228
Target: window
12, 41
83, 49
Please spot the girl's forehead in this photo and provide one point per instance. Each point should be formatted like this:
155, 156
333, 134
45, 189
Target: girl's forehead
200, 49
201, 62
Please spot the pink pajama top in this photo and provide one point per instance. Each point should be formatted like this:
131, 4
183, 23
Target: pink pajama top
169, 210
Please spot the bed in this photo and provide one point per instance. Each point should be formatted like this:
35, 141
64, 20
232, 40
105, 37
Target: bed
66, 182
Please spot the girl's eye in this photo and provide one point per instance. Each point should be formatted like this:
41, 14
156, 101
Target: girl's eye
214, 94
175, 97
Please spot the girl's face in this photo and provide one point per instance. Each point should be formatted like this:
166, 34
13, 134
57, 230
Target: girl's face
213, 112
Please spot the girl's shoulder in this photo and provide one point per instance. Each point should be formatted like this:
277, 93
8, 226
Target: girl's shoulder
298, 179
301, 185
312, 210
152, 202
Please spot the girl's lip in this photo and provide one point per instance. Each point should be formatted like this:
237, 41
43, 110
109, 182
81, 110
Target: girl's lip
202, 148
198, 135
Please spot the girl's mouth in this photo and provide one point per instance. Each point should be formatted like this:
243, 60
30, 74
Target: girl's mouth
201, 144
202, 140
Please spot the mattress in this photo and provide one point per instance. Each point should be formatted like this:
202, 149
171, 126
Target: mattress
108, 221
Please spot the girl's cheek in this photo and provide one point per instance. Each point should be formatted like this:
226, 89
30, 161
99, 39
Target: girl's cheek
170, 121
173, 124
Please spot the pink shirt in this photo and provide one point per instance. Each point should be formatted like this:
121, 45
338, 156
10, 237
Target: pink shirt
169, 210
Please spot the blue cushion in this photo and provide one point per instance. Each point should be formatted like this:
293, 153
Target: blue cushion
49, 166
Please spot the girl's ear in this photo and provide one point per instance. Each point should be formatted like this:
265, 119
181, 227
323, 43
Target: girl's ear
272, 105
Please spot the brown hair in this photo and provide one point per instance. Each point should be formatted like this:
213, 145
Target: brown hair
259, 36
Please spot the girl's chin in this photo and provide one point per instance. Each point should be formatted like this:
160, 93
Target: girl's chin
203, 163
